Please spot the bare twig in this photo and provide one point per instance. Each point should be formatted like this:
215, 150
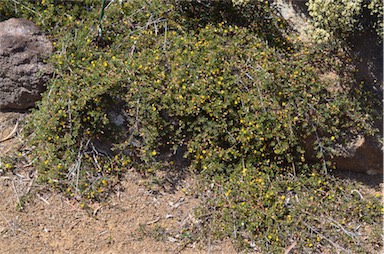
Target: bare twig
17, 194
290, 247
133, 47
258, 92
321, 149
96, 210
26, 7
25, 232
348, 233
10, 225
30, 185
325, 238
358, 192
10, 134
153, 221
178, 203
70, 117
43, 199
165, 36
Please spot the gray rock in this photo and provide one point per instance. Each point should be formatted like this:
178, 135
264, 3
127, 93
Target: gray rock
23, 71
360, 155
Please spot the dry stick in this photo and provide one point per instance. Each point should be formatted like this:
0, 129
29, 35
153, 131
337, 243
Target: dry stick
325, 238
17, 194
258, 92
26, 7
70, 117
153, 221
165, 36
182, 247
106, 7
290, 247
43, 199
321, 151
10, 134
233, 214
10, 225
348, 233
30, 185
96, 210
25, 232
354, 190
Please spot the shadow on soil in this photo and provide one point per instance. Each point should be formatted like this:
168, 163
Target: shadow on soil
373, 181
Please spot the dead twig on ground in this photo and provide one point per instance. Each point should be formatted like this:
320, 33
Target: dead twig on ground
16, 193
9, 224
338, 247
43, 199
153, 221
10, 135
290, 247
30, 185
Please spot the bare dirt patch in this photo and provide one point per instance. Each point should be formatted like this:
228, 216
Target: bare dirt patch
133, 221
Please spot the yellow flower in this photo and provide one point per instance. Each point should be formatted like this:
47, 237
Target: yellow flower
153, 153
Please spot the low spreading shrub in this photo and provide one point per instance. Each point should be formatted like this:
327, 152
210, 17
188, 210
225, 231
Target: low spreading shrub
238, 100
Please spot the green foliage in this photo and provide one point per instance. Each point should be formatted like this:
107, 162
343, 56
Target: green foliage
239, 95
376, 8
268, 214
341, 18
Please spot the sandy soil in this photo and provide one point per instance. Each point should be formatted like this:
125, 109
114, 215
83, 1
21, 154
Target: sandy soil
133, 221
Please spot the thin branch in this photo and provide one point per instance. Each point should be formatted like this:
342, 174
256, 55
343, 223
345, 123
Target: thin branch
290, 247
10, 134
354, 190
10, 225
325, 238
17, 2
165, 36
17, 194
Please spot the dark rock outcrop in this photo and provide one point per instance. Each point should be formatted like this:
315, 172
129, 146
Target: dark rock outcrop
23, 71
